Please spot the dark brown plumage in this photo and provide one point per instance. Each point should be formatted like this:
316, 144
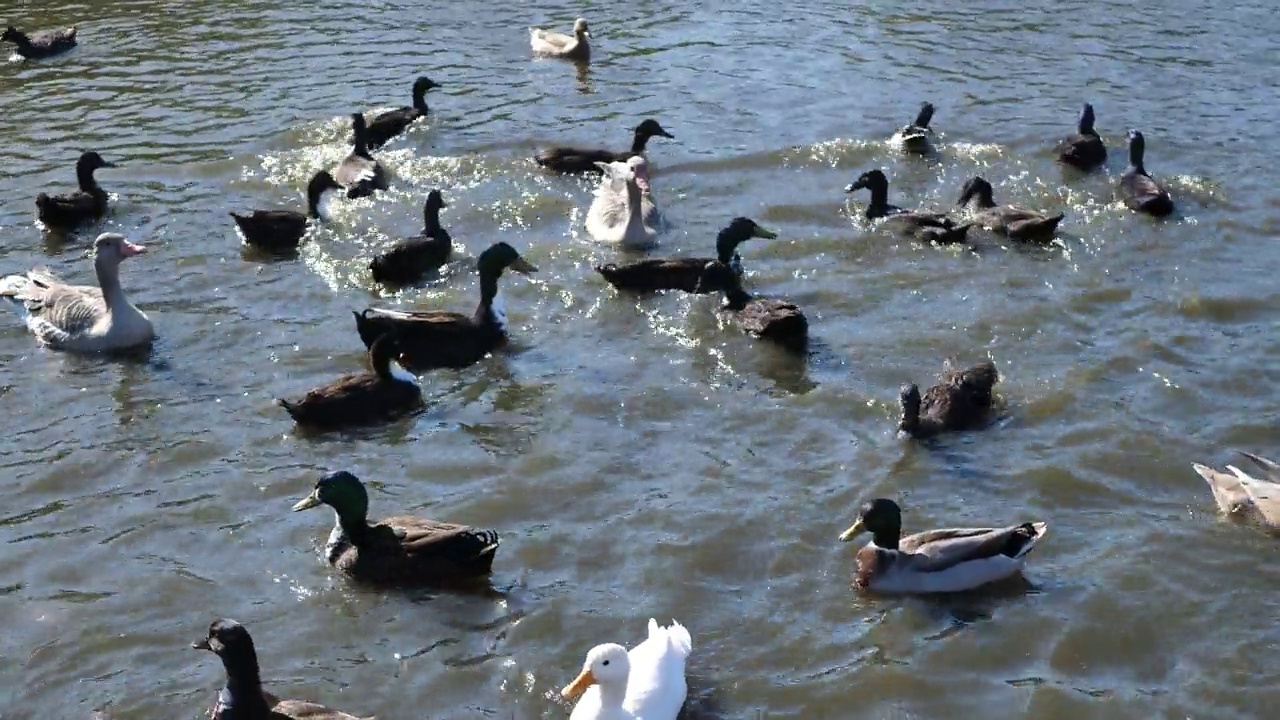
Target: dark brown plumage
408, 260
83, 206
1084, 150
961, 400
915, 137
777, 321
41, 44
924, 226
686, 273
399, 550
282, 230
441, 339
580, 160
393, 122
1004, 219
388, 392
1139, 191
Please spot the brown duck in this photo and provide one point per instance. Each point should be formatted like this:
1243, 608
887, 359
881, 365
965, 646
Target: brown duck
83, 206
777, 321
408, 260
1006, 220
960, 401
685, 273
387, 392
440, 339
400, 550
925, 226
1084, 150
243, 697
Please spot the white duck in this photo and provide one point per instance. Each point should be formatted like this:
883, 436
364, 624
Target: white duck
553, 44
1241, 494
617, 214
80, 317
646, 683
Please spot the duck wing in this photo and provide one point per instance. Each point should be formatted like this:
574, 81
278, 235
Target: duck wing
300, 710
55, 312
360, 175
1143, 194
656, 685
1083, 152
939, 550
353, 399
775, 320
461, 545
273, 229
72, 208
390, 124
577, 160
409, 259
660, 274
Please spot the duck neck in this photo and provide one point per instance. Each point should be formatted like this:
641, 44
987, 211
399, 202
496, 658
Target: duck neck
639, 143
355, 526
20, 39
910, 422
243, 691
313, 202
727, 246
360, 145
1135, 160
491, 311
879, 200
84, 176
109, 280
736, 298
430, 221
635, 219
982, 200
612, 695
887, 537
420, 101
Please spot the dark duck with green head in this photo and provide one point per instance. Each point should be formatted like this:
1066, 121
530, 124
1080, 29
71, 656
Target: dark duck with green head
86, 205
1139, 191
961, 400
1005, 219
686, 273
583, 160
400, 550
282, 230
926, 226
440, 339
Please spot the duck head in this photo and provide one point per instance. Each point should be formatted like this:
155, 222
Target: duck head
11, 34
420, 88
343, 492
640, 167
909, 398
873, 180
977, 188
880, 517
320, 183
113, 248
606, 666
1137, 148
580, 29
226, 637
739, 230
384, 356
501, 256
85, 167
1085, 125
650, 127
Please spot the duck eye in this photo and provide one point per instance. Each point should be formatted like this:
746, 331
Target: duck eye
606, 662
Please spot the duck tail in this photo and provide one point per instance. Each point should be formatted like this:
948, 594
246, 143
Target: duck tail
289, 407
676, 633
609, 271
42, 200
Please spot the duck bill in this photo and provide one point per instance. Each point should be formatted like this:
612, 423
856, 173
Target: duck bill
763, 233
129, 249
852, 532
579, 685
202, 645
308, 502
521, 265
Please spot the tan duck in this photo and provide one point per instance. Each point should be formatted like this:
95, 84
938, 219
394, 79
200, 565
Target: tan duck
914, 138
408, 260
40, 44
86, 205
686, 273
82, 318
935, 561
282, 230
441, 339
398, 550
243, 697
921, 225
586, 160
388, 392
1139, 191
558, 45
1084, 150
1254, 497
393, 122
777, 321
360, 173
1004, 219
961, 400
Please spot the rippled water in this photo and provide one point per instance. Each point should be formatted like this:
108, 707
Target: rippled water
639, 457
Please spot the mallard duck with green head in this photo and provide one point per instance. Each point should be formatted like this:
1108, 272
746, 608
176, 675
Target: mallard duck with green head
401, 550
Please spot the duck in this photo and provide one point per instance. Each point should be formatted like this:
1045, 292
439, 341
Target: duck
925, 226
1084, 150
391, 123
960, 401
686, 273
401, 550
1140, 192
610, 206
40, 44
439, 339
408, 260
620, 223
388, 392
570, 160
1004, 219
935, 561
82, 318
778, 321
1239, 494
243, 696
558, 45
647, 682
282, 230
359, 172
914, 138
87, 204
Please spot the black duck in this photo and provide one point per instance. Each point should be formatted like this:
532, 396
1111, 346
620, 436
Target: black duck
685, 273
925, 226
408, 260
1140, 192
777, 321
1004, 219
960, 401
387, 392
1084, 150
441, 339
282, 230
87, 204
914, 138
580, 160
41, 44
393, 122
359, 172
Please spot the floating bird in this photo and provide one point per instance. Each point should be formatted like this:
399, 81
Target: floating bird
408, 260
646, 683
686, 273
1253, 497
1140, 192
359, 172
282, 230
960, 401
1005, 219
1084, 150
87, 204
41, 44
580, 160
926, 226
558, 45
914, 138
393, 122
777, 321
386, 393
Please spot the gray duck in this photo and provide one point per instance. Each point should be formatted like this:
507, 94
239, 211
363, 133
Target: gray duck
408, 260
926, 226
1004, 219
1139, 191
686, 273
282, 230
961, 400
1084, 150
86, 205
387, 392
569, 160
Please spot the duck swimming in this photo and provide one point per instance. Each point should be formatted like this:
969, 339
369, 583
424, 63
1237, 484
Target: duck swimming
393, 122
438, 339
1084, 150
926, 226
1004, 219
914, 138
557, 45
620, 224
646, 683
1138, 190
359, 172
579, 160
41, 44
401, 550
686, 273
935, 561
86, 205
81, 318
411, 258
1254, 497
961, 400
610, 206
281, 230
777, 321
243, 696
388, 392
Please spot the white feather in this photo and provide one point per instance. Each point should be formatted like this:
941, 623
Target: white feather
399, 373
656, 686
499, 311
964, 576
